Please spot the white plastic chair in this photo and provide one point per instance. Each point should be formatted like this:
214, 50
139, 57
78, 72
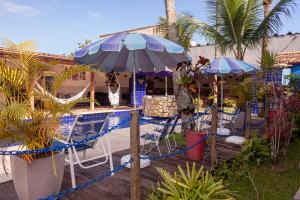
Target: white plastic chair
229, 118
156, 136
77, 134
203, 122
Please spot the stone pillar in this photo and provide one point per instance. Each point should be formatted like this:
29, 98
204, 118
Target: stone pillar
159, 106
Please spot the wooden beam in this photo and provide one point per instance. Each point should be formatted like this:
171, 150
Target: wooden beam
248, 120
92, 91
214, 123
135, 153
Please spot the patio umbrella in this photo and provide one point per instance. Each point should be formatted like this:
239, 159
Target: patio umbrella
224, 66
132, 52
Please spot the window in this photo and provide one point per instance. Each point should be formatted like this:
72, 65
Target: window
48, 82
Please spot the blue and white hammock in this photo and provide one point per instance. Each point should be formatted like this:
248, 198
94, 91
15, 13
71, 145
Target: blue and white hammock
41, 90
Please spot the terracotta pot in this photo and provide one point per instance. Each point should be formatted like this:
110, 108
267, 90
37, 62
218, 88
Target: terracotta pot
196, 153
37, 179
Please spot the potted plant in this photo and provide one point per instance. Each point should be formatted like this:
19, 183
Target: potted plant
190, 76
32, 119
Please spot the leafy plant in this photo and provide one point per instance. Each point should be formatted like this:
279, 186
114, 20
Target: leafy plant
255, 150
268, 61
35, 126
190, 184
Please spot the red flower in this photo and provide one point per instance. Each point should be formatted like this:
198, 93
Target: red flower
202, 60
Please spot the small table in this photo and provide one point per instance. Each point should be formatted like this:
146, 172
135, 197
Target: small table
223, 131
143, 162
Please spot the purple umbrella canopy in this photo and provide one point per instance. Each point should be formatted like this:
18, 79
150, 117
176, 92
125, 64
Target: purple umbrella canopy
156, 74
223, 66
132, 51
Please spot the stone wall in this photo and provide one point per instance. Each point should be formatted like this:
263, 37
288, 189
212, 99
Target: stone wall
159, 106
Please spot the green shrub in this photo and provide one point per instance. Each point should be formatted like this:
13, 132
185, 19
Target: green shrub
255, 150
192, 184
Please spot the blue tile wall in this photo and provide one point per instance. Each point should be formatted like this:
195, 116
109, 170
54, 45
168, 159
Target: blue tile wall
276, 76
140, 90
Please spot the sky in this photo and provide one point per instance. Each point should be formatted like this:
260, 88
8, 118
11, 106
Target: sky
58, 25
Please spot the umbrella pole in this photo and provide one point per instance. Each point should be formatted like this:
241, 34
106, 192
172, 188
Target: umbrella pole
166, 86
222, 99
134, 89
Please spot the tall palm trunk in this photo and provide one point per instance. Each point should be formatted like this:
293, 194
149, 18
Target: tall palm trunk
214, 120
264, 48
171, 20
266, 5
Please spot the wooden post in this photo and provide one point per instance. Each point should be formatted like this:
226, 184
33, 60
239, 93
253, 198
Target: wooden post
135, 153
248, 120
214, 123
92, 91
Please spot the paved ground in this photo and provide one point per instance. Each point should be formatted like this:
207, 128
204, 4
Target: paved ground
117, 187
119, 139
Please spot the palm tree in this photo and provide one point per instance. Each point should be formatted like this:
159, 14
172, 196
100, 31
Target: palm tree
17, 79
242, 25
186, 26
171, 20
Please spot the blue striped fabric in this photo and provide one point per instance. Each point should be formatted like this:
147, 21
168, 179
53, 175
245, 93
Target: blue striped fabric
229, 66
132, 41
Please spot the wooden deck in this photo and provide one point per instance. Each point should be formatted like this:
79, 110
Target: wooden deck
117, 187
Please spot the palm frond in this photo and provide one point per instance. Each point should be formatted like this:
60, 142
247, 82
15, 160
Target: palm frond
68, 73
272, 23
11, 76
28, 45
187, 27
214, 36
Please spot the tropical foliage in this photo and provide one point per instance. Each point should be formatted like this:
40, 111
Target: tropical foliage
187, 25
255, 150
190, 184
241, 24
26, 115
268, 61
189, 86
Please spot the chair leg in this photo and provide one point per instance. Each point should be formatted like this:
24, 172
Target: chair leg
142, 150
110, 155
157, 145
174, 141
71, 162
84, 154
168, 144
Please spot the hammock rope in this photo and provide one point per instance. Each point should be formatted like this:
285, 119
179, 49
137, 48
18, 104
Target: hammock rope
61, 101
114, 98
